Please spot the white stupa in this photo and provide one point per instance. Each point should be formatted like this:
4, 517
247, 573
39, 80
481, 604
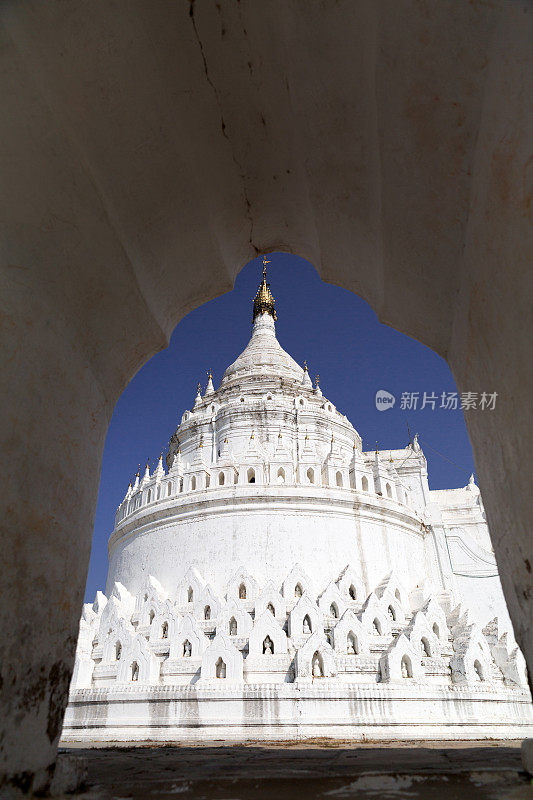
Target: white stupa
278, 582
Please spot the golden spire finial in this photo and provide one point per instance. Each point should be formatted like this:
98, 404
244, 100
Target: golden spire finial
279, 434
332, 438
305, 365
209, 375
317, 379
377, 451
199, 388
264, 303
252, 436
138, 471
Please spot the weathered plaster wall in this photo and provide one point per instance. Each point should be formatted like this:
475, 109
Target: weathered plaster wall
149, 151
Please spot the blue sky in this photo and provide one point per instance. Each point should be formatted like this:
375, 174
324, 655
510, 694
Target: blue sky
341, 338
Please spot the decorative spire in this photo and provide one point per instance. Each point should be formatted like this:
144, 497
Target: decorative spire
198, 399
177, 464
136, 482
264, 303
209, 389
146, 476
317, 385
159, 470
306, 381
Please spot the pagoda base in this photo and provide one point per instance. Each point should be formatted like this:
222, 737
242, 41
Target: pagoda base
296, 712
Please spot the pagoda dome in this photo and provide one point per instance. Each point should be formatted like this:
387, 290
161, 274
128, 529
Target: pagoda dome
262, 359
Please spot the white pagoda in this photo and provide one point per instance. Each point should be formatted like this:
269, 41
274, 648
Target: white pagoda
278, 582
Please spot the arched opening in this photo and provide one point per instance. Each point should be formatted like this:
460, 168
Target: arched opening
134, 671
149, 496
352, 645
220, 668
364, 483
376, 626
190, 594
242, 592
425, 648
398, 596
306, 624
151, 616
187, 649
338, 479
406, 667
268, 646
457, 368
317, 665
298, 590
158, 493
207, 612
118, 651
169, 488
164, 630
352, 593
311, 475
334, 611
181, 485
392, 613
207, 481
232, 627
250, 475
388, 489
221, 479
436, 630
281, 475
235, 477
271, 608
193, 483
478, 671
